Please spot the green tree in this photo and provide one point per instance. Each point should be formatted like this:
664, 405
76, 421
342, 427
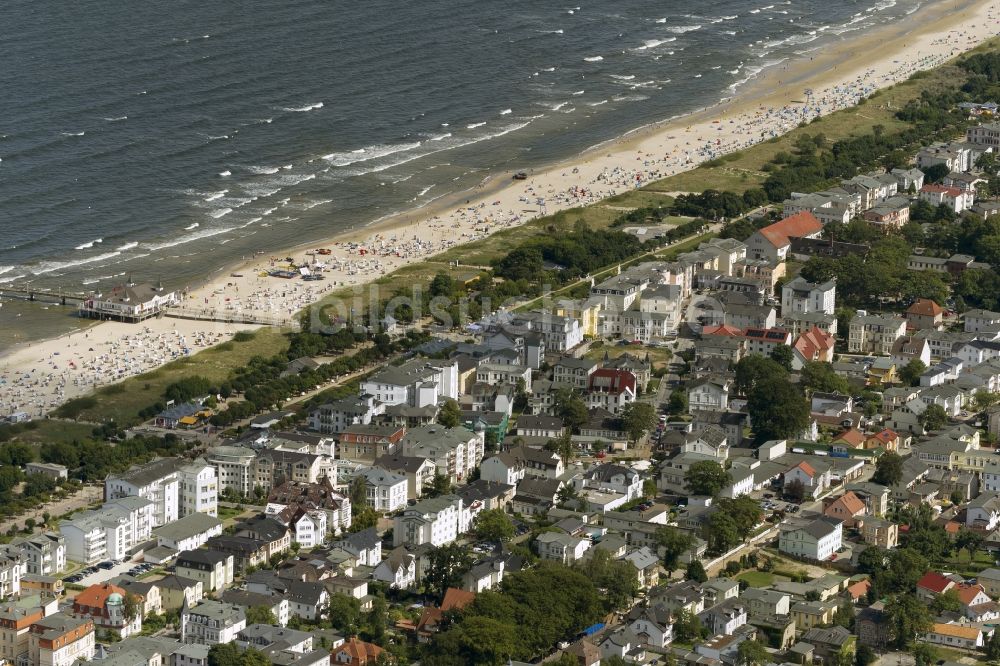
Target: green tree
442, 285
17, 454
672, 543
687, 627
933, 418
777, 410
493, 525
947, 601
678, 401
969, 540
722, 532
358, 492
440, 485
571, 408
992, 647
794, 491
754, 370
562, 446
844, 616
261, 615
345, 613
782, 355
907, 617
616, 577
924, 654
446, 566
450, 415
819, 376
888, 469
706, 477
910, 374
864, 656
366, 517
752, 653
695, 571
638, 418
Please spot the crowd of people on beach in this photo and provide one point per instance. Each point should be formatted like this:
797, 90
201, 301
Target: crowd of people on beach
87, 360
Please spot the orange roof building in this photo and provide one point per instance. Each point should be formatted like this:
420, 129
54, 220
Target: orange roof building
812, 345
887, 439
354, 652
772, 242
852, 437
846, 508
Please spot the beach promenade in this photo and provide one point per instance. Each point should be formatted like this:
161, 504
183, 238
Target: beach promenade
38, 377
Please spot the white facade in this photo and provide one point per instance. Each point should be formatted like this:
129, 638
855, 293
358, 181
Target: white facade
417, 383
212, 623
157, 481
817, 541
309, 531
436, 521
199, 489
233, 467
801, 297
384, 491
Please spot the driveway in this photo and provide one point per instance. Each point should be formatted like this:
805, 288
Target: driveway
102, 575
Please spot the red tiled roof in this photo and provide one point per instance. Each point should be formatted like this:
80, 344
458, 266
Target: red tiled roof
925, 307
852, 436
935, 582
795, 226
968, 593
97, 595
814, 343
852, 503
886, 436
612, 381
723, 329
859, 589
359, 652
456, 598
941, 189
805, 467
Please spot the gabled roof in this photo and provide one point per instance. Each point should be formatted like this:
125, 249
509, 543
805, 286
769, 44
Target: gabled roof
925, 307
935, 582
851, 503
801, 224
805, 467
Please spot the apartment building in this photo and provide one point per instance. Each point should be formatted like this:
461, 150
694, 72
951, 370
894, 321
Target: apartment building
874, 334
212, 623
436, 521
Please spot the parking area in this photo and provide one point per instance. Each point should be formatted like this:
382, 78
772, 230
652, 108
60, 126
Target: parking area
105, 571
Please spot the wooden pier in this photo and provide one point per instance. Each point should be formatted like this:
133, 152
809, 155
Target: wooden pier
41, 295
227, 316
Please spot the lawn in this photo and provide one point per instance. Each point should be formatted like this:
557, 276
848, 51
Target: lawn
48, 430
756, 578
643, 198
122, 402
657, 355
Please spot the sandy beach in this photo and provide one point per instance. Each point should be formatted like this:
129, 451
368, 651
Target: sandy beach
37, 377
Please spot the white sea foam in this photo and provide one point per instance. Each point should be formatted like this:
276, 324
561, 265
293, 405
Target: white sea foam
441, 137
425, 190
87, 246
303, 109
127, 246
221, 212
52, 266
115, 120
681, 29
603, 101
594, 59
216, 195
225, 173
623, 77
368, 153
505, 112
191, 226
72, 133
474, 125
189, 238
579, 92
262, 170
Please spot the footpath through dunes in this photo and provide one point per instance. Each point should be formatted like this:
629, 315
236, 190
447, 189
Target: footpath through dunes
483, 225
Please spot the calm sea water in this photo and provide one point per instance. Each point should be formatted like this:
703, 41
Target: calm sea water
163, 139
